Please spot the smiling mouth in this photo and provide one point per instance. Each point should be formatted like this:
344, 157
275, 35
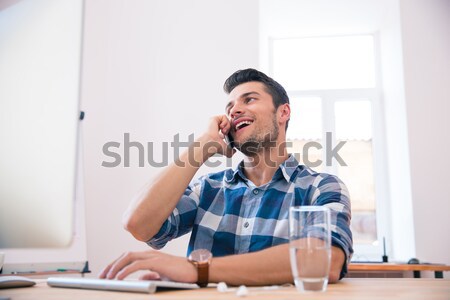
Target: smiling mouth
242, 124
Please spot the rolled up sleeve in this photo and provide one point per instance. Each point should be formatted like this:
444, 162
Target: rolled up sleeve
332, 193
181, 220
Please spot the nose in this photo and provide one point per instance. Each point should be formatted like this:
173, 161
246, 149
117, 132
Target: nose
236, 110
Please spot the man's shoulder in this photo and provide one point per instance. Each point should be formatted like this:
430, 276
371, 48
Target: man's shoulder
306, 174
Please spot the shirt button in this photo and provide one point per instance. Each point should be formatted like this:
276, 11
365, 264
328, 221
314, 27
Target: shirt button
255, 191
246, 224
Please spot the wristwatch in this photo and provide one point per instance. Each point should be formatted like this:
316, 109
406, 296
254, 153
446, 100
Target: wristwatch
201, 259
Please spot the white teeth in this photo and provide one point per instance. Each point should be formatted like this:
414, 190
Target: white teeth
240, 124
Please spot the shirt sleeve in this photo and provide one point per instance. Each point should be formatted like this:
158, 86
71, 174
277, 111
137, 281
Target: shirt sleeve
182, 218
332, 193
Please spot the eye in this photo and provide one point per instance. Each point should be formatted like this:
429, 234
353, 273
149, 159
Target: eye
247, 100
228, 108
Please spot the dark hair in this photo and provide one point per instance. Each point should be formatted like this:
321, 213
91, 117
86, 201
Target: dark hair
278, 93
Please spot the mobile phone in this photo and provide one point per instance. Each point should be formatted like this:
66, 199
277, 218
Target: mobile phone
229, 140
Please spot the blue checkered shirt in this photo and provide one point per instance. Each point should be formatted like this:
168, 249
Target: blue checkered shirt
228, 214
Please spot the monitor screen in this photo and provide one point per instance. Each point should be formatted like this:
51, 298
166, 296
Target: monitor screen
40, 57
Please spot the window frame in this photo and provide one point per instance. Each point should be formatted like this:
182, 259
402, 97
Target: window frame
329, 97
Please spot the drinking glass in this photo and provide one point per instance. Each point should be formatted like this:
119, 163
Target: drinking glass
310, 247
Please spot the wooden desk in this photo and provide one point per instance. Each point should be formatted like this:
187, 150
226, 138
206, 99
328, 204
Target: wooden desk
347, 289
390, 267
46, 274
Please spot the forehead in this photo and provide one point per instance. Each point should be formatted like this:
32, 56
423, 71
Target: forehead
245, 88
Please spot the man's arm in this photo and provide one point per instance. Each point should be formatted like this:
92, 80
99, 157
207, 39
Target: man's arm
266, 267
145, 216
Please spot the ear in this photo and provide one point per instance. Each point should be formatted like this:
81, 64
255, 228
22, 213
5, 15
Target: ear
284, 113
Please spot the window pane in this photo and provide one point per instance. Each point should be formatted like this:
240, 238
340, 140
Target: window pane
305, 131
324, 62
307, 152
353, 120
358, 176
353, 126
306, 118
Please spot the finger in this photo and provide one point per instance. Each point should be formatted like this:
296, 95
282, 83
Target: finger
105, 271
227, 128
123, 261
150, 276
224, 124
133, 267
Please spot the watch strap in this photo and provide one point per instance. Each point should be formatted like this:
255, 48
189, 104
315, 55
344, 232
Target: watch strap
203, 273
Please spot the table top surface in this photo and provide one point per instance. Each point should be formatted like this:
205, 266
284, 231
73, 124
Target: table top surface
348, 289
396, 267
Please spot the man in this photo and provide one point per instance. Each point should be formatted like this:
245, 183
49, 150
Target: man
239, 215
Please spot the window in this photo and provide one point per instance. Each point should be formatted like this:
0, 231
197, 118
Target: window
335, 103
325, 62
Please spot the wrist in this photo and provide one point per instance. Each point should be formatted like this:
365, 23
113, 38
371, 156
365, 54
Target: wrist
201, 260
206, 147
195, 155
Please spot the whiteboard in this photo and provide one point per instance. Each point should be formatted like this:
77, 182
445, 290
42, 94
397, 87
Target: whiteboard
40, 59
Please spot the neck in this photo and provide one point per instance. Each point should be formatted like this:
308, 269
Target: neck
261, 167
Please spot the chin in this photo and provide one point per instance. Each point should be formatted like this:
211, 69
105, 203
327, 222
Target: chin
249, 147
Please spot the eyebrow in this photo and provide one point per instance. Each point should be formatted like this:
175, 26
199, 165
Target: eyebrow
242, 96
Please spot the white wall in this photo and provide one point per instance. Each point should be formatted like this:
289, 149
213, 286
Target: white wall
152, 69
401, 244
426, 57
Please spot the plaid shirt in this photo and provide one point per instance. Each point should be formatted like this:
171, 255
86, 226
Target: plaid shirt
228, 214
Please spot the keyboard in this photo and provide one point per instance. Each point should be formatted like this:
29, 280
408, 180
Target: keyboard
138, 286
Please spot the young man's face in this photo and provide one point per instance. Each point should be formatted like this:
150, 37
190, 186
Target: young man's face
252, 115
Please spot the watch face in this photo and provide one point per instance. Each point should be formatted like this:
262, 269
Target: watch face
201, 255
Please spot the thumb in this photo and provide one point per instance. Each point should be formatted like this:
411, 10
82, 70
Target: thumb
150, 276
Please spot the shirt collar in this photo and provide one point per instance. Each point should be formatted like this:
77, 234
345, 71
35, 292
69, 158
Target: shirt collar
233, 175
288, 170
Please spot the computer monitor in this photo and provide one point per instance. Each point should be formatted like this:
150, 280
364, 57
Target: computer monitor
40, 58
